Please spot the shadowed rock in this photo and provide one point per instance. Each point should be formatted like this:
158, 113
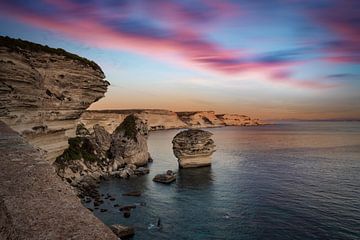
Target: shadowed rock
166, 178
129, 142
122, 231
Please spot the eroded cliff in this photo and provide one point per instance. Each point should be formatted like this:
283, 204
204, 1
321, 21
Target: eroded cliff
43, 91
165, 119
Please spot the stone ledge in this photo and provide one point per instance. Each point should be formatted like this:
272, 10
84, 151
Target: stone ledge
34, 202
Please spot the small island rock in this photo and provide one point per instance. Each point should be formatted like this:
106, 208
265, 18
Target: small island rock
122, 231
193, 148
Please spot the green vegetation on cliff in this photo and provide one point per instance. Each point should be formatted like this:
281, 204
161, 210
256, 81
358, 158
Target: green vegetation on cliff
129, 127
79, 147
19, 44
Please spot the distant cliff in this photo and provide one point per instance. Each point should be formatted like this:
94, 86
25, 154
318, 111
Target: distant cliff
43, 91
165, 119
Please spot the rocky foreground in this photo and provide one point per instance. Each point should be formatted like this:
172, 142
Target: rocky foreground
193, 148
35, 204
101, 154
165, 119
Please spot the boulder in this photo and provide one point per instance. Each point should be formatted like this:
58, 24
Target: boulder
129, 142
122, 231
132, 194
141, 171
167, 177
193, 148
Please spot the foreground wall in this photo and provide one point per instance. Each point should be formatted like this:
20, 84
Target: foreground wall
34, 203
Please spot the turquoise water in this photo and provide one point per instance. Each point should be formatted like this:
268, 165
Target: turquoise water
298, 180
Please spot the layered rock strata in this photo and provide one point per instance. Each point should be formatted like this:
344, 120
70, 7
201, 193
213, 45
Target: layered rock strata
110, 119
238, 120
164, 119
193, 148
43, 91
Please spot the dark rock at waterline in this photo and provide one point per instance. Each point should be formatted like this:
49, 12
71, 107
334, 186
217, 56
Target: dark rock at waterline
127, 208
122, 231
141, 171
132, 194
112, 199
103, 210
126, 214
167, 177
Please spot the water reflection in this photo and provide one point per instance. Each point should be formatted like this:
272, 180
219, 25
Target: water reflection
194, 178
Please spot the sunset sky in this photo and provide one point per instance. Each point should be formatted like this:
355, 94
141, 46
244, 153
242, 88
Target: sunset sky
269, 59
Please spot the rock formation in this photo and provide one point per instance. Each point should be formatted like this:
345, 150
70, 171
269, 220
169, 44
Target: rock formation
200, 119
164, 119
129, 142
238, 120
100, 153
193, 148
166, 178
43, 91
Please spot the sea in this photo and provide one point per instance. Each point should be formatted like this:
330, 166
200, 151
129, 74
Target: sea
288, 180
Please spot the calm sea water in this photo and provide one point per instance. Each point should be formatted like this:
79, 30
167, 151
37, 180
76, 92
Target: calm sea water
285, 181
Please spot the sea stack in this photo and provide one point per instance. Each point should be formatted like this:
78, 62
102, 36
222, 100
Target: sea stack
193, 148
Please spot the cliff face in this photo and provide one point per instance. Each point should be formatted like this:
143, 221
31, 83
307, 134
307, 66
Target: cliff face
165, 119
110, 119
236, 120
43, 91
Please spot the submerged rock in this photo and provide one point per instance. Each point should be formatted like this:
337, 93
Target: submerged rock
167, 177
122, 231
132, 194
193, 148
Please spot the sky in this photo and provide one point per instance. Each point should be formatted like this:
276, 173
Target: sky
279, 59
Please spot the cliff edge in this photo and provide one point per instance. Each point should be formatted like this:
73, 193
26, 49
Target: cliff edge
43, 91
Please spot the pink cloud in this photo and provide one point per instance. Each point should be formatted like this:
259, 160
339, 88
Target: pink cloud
187, 44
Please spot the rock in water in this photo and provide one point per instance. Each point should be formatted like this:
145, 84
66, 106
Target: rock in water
129, 142
122, 231
167, 177
193, 148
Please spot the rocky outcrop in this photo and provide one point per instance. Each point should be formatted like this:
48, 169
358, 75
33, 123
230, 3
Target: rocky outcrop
238, 120
43, 91
166, 178
100, 153
129, 142
122, 231
164, 119
34, 203
193, 148
200, 119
